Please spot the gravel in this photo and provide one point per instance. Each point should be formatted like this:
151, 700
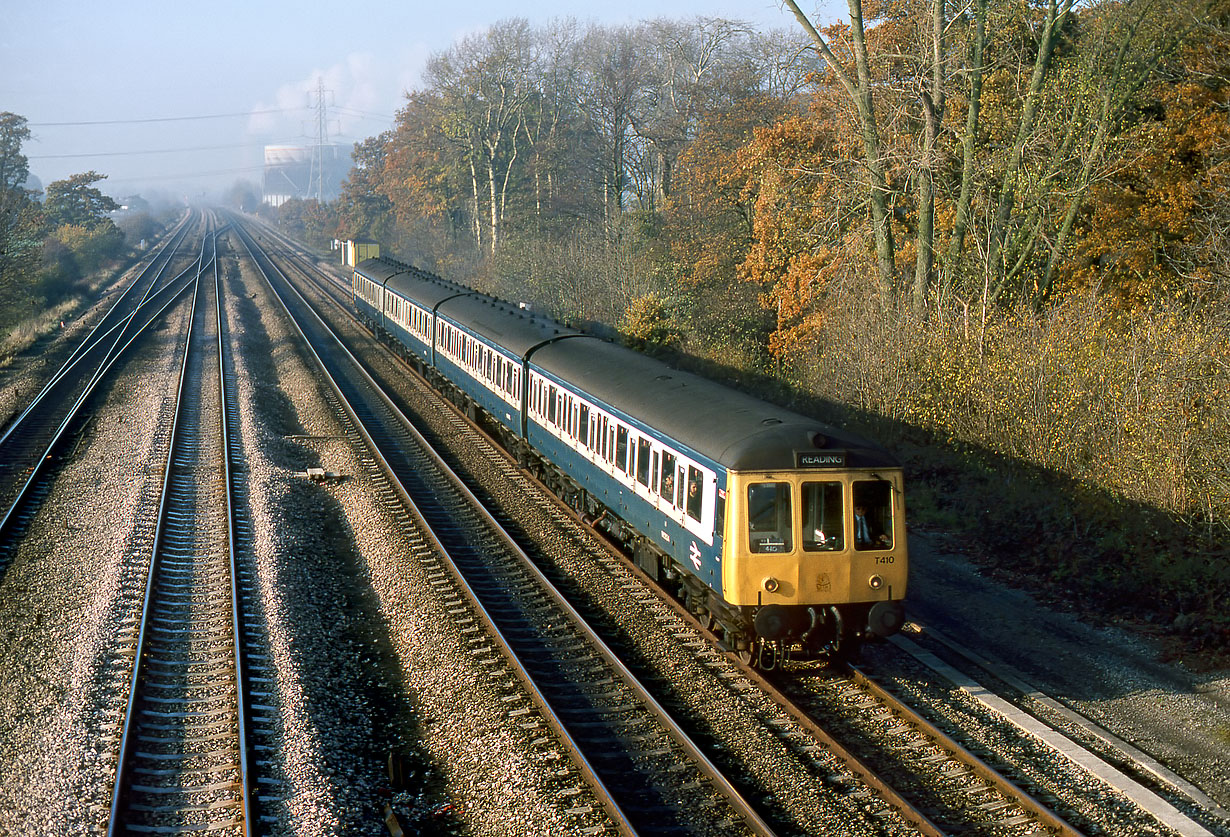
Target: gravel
368, 657
66, 606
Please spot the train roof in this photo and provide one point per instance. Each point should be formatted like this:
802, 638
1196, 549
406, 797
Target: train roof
382, 270
732, 428
425, 289
503, 324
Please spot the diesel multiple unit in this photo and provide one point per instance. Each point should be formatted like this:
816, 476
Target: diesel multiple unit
787, 536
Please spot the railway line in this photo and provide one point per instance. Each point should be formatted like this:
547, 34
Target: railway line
32, 435
184, 751
806, 728
202, 709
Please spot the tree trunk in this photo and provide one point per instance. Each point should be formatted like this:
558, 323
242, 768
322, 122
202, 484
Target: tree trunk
933, 113
495, 207
860, 94
1056, 11
960, 223
477, 213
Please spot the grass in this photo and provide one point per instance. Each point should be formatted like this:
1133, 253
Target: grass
31, 329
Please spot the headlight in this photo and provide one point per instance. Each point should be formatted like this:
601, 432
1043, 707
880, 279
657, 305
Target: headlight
875, 582
770, 584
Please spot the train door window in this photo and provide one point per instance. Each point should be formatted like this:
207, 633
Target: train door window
606, 440
551, 404
621, 448
583, 426
696, 493
642, 461
679, 492
873, 514
769, 520
668, 478
823, 517
653, 475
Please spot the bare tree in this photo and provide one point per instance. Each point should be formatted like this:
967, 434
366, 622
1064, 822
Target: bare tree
552, 106
612, 78
486, 83
685, 79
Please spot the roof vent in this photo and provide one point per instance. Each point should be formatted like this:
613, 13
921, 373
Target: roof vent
769, 422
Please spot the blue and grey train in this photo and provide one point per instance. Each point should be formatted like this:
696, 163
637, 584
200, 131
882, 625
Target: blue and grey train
786, 536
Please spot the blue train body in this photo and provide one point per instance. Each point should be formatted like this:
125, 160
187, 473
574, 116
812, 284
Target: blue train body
742, 509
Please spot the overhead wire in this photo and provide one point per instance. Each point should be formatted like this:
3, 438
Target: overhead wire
159, 119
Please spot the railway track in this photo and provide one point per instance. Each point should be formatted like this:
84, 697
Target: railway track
638, 761
183, 763
28, 444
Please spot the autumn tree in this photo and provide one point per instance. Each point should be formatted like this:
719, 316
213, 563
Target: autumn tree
858, 84
363, 206
1154, 225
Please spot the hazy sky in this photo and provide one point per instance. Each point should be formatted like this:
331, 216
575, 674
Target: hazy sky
153, 70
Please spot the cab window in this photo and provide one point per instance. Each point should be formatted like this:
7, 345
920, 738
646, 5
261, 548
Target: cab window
823, 517
769, 518
873, 515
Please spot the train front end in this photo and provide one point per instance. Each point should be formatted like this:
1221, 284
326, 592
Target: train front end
815, 556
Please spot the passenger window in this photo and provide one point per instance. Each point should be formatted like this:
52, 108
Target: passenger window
823, 517
696, 493
873, 514
621, 449
668, 478
769, 521
583, 427
642, 461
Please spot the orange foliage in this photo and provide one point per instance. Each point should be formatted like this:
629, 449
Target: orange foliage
709, 213
1142, 228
